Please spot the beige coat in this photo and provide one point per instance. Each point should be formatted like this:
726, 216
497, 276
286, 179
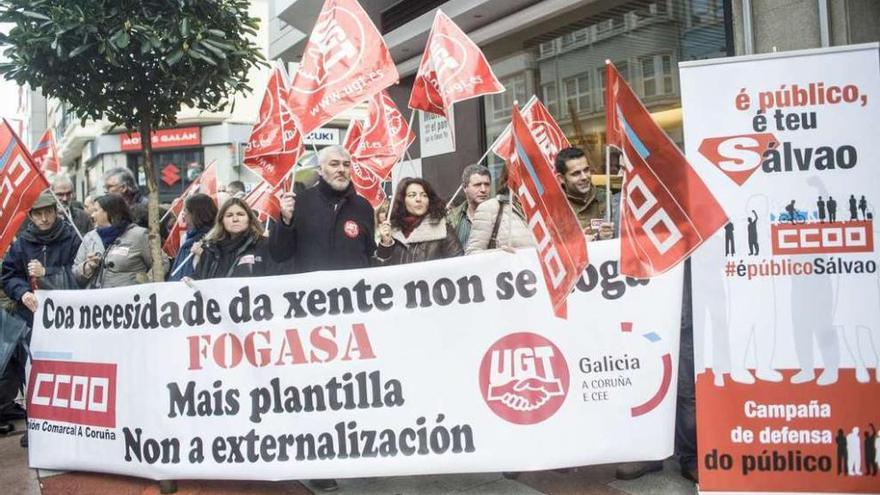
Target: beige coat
513, 231
127, 262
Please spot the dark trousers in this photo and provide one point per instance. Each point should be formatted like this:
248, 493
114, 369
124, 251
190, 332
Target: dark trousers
686, 412
12, 379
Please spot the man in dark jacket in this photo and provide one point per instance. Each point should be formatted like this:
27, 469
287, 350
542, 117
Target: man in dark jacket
331, 230
62, 186
333, 226
41, 257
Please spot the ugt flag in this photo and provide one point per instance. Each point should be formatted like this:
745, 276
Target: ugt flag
345, 62
20, 184
265, 199
386, 136
366, 182
544, 129
561, 244
666, 210
45, 155
275, 144
452, 69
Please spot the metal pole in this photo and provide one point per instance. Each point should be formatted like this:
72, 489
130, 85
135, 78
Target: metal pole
748, 33
824, 36
607, 183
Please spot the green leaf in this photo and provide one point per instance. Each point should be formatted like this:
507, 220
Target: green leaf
121, 39
184, 27
80, 49
175, 57
218, 33
35, 15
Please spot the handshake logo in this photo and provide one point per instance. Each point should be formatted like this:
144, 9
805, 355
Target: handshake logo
524, 378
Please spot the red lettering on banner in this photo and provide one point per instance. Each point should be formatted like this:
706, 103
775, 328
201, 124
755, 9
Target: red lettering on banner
325, 343
164, 138
73, 392
844, 237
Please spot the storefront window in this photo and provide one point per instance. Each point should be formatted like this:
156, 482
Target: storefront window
175, 170
566, 67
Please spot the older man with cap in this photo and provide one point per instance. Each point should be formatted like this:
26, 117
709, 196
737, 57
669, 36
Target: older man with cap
41, 258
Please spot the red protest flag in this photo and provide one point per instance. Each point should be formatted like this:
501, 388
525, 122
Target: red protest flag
265, 199
365, 181
386, 136
561, 244
352, 141
367, 184
20, 184
544, 129
452, 69
45, 155
666, 210
206, 183
344, 62
275, 143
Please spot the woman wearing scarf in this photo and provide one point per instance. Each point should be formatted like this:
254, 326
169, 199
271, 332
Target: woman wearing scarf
235, 247
417, 230
117, 252
200, 212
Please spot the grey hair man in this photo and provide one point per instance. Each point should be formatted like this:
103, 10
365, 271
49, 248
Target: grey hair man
476, 183
121, 181
327, 226
63, 189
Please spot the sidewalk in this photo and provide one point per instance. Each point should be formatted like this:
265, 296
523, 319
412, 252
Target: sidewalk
17, 478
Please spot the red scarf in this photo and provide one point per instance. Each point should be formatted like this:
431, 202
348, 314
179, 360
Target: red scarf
409, 223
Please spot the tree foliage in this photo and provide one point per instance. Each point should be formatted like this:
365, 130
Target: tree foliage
128, 59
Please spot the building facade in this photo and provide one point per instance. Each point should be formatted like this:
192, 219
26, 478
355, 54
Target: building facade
556, 50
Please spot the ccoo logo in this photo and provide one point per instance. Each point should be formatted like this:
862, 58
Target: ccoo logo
524, 378
737, 156
73, 392
334, 51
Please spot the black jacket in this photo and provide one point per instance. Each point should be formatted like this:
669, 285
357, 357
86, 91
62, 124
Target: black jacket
55, 251
431, 240
331, 230
251, 259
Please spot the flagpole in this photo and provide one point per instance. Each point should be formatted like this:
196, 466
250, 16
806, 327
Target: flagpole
412, 116
183, 263
607, 183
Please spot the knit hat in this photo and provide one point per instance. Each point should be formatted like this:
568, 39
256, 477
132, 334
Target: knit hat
45, 199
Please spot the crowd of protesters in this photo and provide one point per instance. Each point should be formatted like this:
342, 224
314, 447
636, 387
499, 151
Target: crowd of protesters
105, 243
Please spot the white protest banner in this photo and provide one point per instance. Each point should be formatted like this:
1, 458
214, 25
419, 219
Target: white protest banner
436, 136
440, 367
787, 295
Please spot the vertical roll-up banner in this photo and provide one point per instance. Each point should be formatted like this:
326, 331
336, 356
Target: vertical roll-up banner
787, 295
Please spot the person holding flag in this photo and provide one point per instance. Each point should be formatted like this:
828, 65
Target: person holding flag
200, 213
117, 252
587, 201
40, 258
417, 230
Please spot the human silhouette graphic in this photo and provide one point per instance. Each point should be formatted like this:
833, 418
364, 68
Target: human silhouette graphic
863, 206
812, 324
821, 205
842, 464
729, 249
854, 452
871, 451
832, 210
790, 209
853, 208
710, 308
753, 234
